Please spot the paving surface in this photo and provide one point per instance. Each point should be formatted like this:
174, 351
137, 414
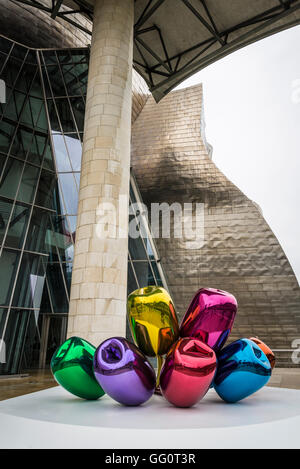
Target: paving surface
54, 418
43, 379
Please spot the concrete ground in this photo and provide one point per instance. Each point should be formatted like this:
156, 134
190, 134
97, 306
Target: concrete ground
37, 380
34, 380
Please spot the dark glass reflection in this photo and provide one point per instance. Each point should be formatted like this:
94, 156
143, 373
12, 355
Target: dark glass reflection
40, 163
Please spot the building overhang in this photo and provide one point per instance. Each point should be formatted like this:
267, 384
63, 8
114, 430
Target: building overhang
173, 39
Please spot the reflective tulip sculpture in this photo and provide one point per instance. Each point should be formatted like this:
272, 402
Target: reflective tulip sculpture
124, 372
153, 321
72, 367
187, 372
210, 317
243, 368
195, 356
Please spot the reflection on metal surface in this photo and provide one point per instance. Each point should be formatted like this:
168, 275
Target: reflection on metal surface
210, 317
172, 163
72, 367
267, 351
124, 372
187, 372
152, 319
243, 369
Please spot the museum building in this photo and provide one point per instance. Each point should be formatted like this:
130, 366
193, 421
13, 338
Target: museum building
46, 203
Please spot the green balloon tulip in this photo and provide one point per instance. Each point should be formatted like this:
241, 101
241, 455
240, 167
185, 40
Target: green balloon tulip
72, 368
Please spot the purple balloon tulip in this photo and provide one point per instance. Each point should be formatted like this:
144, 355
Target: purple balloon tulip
123, 372
210, 317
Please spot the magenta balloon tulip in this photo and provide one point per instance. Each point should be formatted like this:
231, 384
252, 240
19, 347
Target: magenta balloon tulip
125, 373
210, 317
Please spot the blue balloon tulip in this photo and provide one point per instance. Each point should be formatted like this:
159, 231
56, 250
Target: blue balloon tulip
243, 369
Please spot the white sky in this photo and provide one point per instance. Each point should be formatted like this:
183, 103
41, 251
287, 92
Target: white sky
252, 113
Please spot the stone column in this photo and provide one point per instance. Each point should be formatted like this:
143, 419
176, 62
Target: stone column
99, 279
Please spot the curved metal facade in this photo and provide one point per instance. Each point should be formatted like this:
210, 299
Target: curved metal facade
240, 253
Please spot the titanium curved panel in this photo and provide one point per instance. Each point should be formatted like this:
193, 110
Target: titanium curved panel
240, 254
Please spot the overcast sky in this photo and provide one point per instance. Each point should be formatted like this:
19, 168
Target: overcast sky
252, 114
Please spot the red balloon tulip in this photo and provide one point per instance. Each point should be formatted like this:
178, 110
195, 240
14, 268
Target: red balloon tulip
187, 372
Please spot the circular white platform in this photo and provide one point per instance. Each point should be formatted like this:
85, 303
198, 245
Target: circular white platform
55, 419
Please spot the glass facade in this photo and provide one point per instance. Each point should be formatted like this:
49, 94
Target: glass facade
41, 131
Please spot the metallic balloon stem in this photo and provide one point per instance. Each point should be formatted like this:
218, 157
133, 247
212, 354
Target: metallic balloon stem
159, 366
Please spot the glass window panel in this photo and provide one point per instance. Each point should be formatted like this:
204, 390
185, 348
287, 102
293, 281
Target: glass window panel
75, 151
55, 127
9, 109
37, 149
31, 111
22, 141
38, 239
149, 249
67, 271
65, 115
36, 108
49, 57
64, 56
19, 52
45, 303
56, 81
78, 107
143, 273
27, 116
28, 79
57, 203
42, 120
6, 134
17, 326
31, 58
72, 224
30, 283
15, 102
9, 261
46, 83
35, 86
28, 183
48, 158
46, 190
77, 178
157, 274
136, 248
74, 75
61, 154
70, 192
10, 71
132, 196
5, 211
11, 177
3, 314
63, 238
17, 226
31, 352
57, 288
131, 285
